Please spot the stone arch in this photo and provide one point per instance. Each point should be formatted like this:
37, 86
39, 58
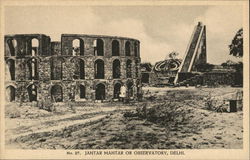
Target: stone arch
12, 44
32, 65
129, 68
79, 68
11, 68
34, 46
82, 69
56, 65
127, 49
130, 89
100, 91
32, 92
98, 47
10, 93
35, 42
82, 91
117, 89
116, 69
99, 69
56, 93
78, 47
115, 48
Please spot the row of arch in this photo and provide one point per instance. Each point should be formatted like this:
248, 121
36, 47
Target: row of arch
11, 93
32, 47
32, 65
56, 92
77, 46
98, 44
99, 69
79, 68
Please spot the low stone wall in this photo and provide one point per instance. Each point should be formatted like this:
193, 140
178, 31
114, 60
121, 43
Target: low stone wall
218, 78
212, 79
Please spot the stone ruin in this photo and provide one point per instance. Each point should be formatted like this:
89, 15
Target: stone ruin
195, 55
79, 68
193, 70
162, 73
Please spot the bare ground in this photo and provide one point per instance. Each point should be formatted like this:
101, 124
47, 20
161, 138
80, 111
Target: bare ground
104, 126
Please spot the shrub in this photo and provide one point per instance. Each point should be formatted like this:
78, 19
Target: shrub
209, 102
213, 104
46, 105
166, 114
15, 115
12, 111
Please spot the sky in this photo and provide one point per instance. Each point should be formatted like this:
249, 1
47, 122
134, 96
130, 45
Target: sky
160, 29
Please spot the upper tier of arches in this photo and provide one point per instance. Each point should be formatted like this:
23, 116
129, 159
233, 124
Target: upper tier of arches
71, 45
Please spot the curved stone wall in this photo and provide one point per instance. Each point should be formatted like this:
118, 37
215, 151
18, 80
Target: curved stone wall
79, 68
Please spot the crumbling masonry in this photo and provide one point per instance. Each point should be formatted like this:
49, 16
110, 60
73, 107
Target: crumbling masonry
80, 67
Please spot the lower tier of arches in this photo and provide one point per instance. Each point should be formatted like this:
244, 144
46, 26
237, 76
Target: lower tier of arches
64, 91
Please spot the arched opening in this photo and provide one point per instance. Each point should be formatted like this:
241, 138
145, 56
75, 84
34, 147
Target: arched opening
56, 93
35, 42
32, 92
100, 92
11, 68
116, 69
129, 68
33, 69
34, 46
56, 65
117, 89
12, 43
82, 91
99, 69
130, 89
127, 48
82, 69
10, 94
115, 48
98, 47
136, 49
79, 70
78, 47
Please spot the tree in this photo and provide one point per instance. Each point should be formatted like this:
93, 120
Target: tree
236, 47
172, 55
228, 63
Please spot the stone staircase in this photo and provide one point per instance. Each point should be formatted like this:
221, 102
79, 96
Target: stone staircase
191, 50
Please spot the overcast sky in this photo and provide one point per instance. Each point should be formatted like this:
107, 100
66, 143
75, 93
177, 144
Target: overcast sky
160, 29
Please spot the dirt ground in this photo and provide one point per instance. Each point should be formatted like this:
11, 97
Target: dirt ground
104, 126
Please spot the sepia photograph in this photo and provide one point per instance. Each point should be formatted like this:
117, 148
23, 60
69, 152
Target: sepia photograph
110, 78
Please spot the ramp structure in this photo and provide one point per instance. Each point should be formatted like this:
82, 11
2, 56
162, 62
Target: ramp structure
195, 54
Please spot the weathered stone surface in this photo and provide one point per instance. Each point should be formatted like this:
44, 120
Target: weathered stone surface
42, 66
